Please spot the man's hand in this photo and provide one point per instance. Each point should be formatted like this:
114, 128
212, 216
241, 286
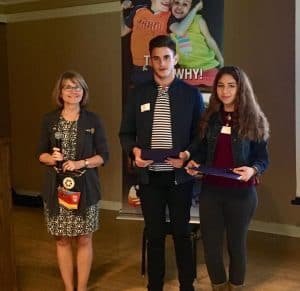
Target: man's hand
139, 162
177, 162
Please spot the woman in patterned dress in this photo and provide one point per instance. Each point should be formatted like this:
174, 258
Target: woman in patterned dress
82, 147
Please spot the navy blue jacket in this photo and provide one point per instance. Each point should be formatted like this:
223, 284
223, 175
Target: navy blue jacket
186, 106
245, 152
91, 140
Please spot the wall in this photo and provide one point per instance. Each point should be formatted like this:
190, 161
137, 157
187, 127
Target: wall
259, 36
4, 108
38, 51
46, 4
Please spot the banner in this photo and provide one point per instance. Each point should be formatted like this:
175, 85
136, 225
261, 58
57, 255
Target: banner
197, 29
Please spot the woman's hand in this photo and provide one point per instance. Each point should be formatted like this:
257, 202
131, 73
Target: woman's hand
71, 165
191, 164
245, 172
57, 155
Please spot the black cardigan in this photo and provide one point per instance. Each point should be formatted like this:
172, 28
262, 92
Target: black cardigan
91, 140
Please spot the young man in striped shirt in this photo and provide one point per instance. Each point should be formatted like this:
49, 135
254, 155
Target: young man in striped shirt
160, 119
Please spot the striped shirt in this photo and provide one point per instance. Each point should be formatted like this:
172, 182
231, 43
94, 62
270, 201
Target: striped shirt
161, 127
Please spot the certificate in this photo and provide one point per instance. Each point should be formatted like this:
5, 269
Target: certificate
159, 155
222, 172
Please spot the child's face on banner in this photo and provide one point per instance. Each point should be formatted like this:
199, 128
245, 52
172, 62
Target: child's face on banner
161, 5
180, 8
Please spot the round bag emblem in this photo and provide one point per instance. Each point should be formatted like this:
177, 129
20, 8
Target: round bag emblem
68, 183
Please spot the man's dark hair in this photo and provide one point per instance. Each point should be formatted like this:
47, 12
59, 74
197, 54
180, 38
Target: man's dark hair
162, 41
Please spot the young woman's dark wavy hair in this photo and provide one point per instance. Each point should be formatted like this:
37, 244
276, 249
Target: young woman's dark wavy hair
248, 117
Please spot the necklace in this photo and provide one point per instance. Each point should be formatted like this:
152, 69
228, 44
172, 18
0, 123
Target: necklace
68, 128
226, 129
70, 115
228, 119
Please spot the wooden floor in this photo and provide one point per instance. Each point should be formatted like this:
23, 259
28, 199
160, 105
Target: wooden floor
273, 261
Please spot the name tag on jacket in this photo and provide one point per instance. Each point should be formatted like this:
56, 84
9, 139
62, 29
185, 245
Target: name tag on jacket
145, 107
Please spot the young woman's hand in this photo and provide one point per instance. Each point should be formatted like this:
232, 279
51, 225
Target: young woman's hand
245, 172
191, 164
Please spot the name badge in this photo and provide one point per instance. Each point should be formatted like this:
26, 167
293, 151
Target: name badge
226, 129
145, 107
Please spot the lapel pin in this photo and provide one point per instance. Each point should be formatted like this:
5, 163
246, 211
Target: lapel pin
90, 130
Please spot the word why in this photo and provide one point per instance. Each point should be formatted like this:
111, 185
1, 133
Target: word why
192, 74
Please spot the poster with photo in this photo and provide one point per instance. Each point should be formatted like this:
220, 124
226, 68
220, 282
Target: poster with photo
197, 29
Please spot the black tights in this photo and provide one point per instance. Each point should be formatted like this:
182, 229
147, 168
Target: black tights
226, 210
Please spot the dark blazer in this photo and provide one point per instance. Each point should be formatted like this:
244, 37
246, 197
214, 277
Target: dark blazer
91, 140
186, 105
245, 152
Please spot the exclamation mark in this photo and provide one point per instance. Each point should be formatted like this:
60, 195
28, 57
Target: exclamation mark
201, 74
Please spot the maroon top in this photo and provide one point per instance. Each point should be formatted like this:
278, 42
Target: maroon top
224, 159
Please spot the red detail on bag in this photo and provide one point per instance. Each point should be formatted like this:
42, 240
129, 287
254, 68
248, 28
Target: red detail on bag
68, 199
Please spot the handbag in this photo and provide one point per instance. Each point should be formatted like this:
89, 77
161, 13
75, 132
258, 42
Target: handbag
68, 188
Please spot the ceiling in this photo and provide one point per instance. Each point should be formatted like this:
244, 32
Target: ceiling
10, 2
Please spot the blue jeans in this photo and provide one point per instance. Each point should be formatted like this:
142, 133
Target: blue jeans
226, 210
161, 192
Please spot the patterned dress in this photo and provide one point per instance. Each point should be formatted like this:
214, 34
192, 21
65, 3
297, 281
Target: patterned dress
67, 222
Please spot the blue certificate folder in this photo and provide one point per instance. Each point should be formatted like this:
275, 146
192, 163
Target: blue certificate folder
159, 155
222, 172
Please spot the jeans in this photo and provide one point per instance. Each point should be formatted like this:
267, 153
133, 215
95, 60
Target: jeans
161, 192
226, 210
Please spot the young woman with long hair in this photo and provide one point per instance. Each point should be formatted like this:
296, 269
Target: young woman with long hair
233, 137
